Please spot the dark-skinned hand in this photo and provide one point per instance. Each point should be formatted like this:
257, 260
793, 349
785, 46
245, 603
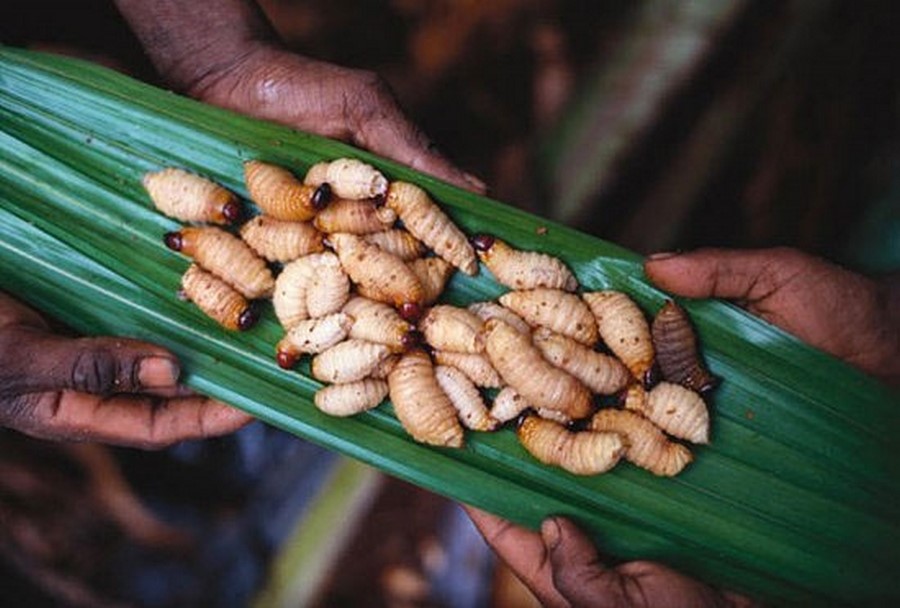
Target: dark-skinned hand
111, 390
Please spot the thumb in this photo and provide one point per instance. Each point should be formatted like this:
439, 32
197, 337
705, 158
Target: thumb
33, 360
578, 573
723, 273
386, 130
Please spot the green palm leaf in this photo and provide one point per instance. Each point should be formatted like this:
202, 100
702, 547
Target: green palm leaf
795, 500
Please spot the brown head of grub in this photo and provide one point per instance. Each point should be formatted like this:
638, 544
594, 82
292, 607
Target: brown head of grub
174, 240
482, 242
321, 197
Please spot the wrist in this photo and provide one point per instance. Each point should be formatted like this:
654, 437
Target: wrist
189, 41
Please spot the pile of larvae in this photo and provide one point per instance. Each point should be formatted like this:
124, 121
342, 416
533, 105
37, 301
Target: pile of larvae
363, 262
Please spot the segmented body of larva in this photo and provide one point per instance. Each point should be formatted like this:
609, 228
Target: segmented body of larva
582, 453
475, 366
522, 366
281, 195
508, 404
312, 336
433, 274
377, 322
387, 365
351, 398
399, 242
354, 217
676, 349
377, 274
518, 269
427, 222
217, 299
329, 288
281, 241
464, 395
226, 256
648, 446
348, 361
601, 373
349, 178
189, 197
561, 311
624, 329
451, 329
292, 284
678, 411
421, 405
492, 310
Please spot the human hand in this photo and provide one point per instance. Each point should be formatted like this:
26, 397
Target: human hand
351, 105
111, 390
225, 52
840, 312
562, 568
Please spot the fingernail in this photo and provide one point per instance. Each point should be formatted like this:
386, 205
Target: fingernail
550, 533
475, 182
662, 255
157, 372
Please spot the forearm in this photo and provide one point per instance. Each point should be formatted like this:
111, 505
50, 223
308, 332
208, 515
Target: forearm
189, 40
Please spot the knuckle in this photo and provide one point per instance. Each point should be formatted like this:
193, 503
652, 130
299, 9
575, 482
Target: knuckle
94, 371
99, 370
17, 411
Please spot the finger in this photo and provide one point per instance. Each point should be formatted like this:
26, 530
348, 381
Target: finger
127, 420
14, 313
34, 360
724, 273
381, 126
578, 573
523, 551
